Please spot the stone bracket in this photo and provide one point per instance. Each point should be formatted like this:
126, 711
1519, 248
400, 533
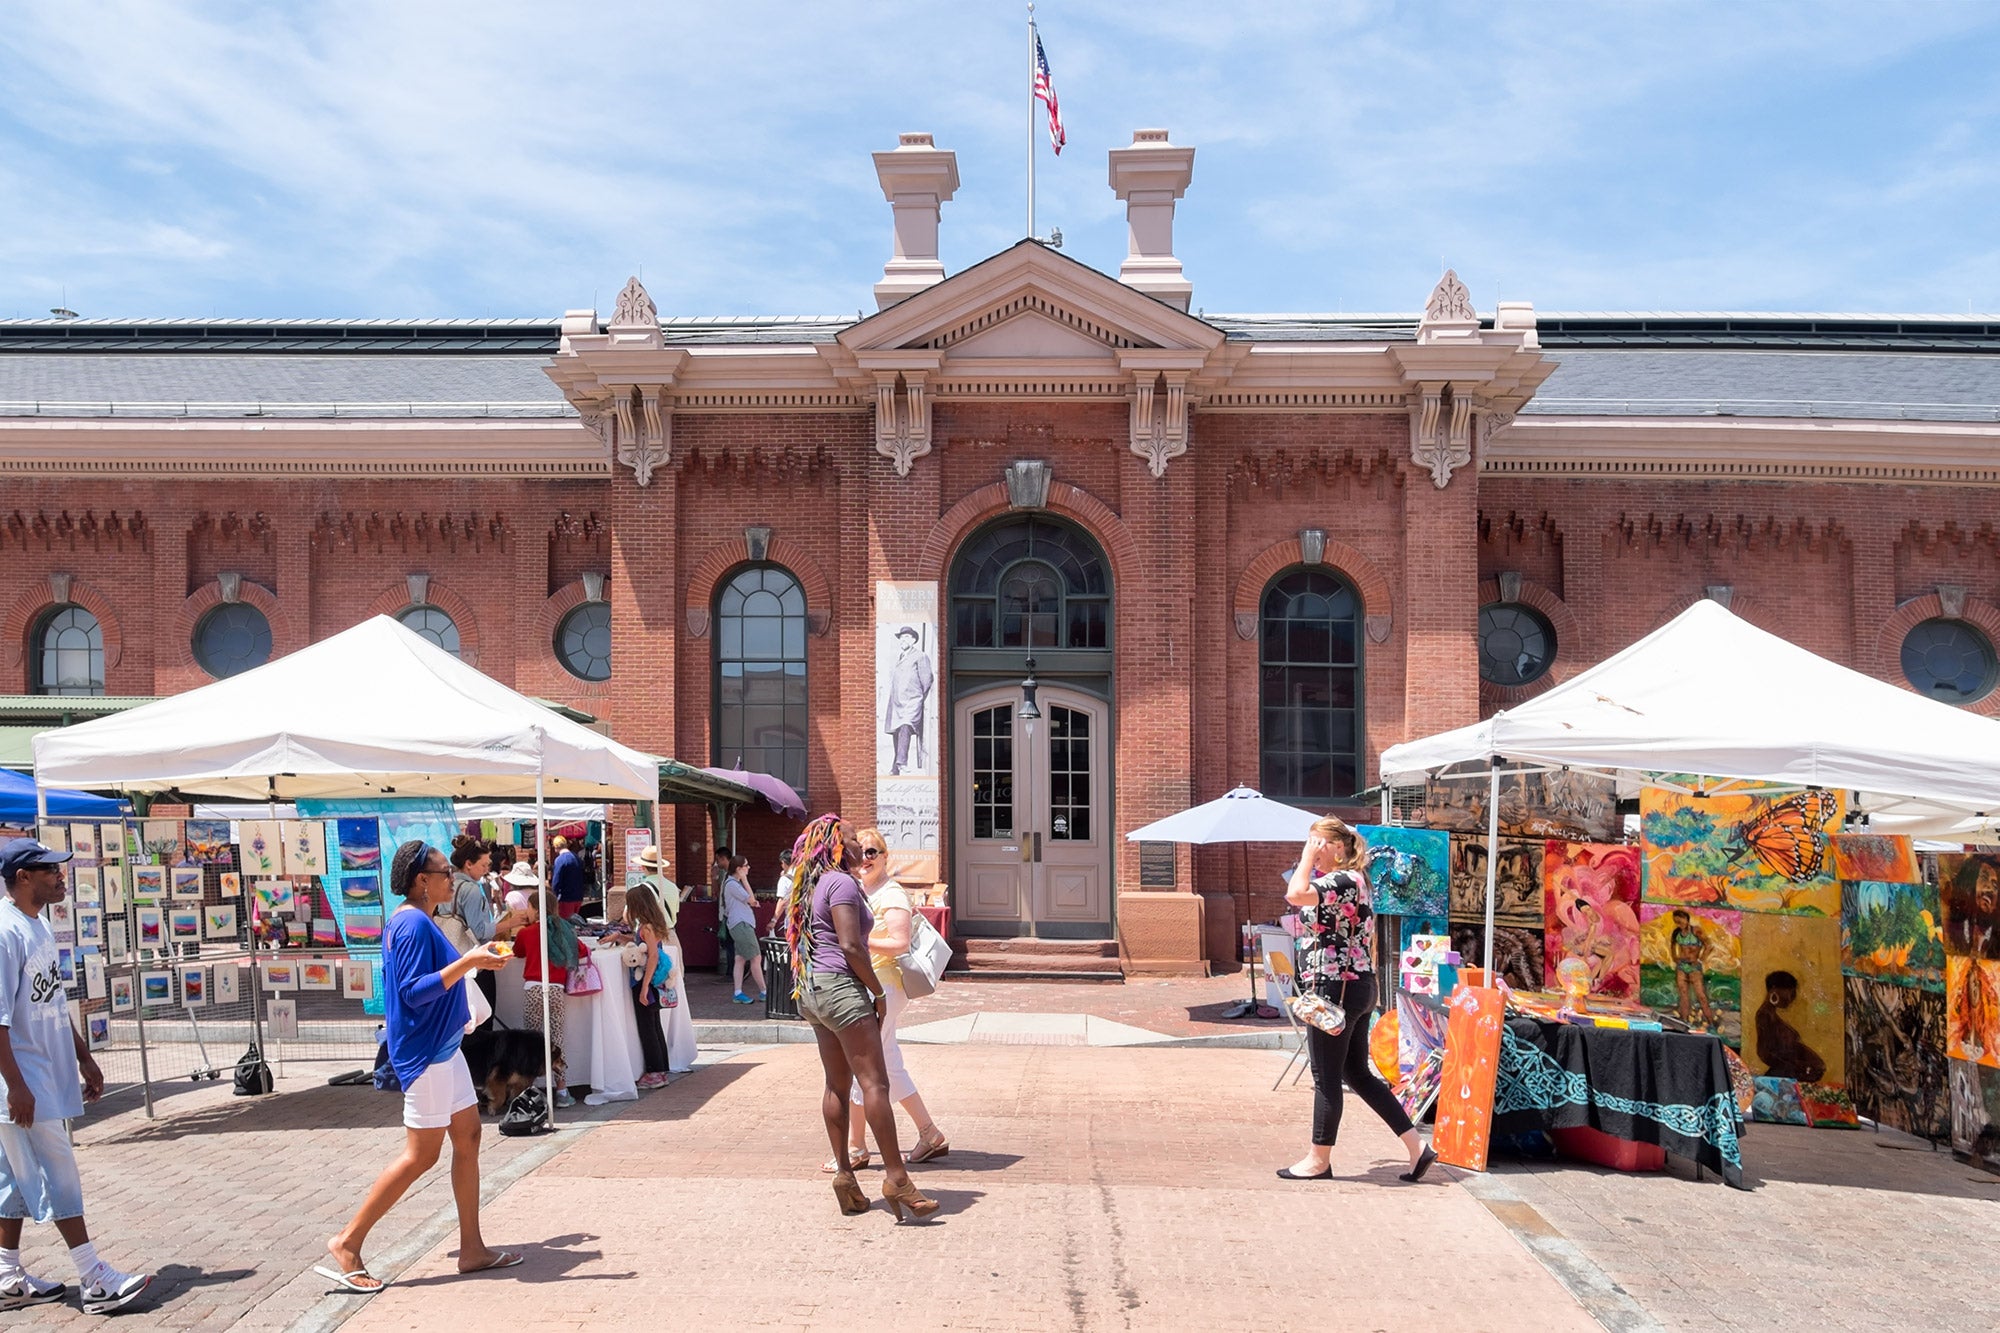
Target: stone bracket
1160, 418
902, 418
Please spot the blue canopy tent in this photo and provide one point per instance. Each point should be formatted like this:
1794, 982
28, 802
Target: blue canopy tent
17, 802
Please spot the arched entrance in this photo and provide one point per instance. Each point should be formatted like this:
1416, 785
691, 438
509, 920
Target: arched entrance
1031, 800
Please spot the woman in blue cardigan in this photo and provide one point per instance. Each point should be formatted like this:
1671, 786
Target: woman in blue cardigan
423, 989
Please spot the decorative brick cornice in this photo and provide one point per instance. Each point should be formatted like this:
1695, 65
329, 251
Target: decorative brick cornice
37, 530
727, 555
1377, 602
46, 596
990, 501
180, 632
1572, 654
420, 534
1682, 533
395, 599
1887, 659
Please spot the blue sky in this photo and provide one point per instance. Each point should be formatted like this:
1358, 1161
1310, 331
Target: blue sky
500, 159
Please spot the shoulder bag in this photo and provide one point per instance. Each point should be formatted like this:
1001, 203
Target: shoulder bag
583, 978
454, 928
1319, 1012
527, 1114
924, 962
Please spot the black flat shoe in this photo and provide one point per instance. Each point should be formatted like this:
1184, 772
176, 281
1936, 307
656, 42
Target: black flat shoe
1416, 1173
1286, 1173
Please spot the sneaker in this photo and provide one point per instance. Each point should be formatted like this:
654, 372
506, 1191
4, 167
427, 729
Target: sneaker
651, 1081
112, 1290
741, 998
23, 1290
563, 1099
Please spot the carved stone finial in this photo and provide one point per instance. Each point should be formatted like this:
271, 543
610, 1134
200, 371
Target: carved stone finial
1721, 593
59, 588
593, 586
634, 309
757, 543
231, 584
420, 589
1450, 302
1028, 483
1312, 545
1951, 599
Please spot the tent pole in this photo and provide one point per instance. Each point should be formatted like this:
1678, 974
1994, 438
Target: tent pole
542, 855
1492, 857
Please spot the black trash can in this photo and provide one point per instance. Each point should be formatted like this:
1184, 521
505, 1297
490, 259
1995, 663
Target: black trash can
778, 1001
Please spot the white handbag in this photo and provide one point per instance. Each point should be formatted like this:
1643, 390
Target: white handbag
924, 962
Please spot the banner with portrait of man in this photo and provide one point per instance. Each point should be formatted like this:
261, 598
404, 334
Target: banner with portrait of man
906, 727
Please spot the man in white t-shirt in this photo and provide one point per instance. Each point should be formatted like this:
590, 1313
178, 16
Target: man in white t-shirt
46, 1074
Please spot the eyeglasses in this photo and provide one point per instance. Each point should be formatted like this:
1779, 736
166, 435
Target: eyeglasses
870, 853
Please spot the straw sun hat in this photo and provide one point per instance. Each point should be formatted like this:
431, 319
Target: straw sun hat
650, 859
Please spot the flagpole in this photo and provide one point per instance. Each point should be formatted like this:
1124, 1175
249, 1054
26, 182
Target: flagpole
1031, 119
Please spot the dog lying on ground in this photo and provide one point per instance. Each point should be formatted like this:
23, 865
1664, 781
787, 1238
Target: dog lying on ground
504, 1063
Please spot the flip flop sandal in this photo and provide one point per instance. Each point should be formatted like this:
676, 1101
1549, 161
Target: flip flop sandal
856, 1161
501, 1259
346, 1282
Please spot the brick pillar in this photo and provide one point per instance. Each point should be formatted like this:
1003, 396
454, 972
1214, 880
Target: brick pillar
1441, 581
1871, 557
169, 534
645, 610
902, 511
294, 537
528, 557
1158, 931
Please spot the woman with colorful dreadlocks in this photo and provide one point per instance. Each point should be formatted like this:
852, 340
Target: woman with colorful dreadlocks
826, 924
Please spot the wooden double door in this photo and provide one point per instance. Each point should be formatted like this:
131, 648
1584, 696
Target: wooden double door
1032, 815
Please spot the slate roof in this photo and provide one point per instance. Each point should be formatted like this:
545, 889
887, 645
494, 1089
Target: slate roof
1830, 366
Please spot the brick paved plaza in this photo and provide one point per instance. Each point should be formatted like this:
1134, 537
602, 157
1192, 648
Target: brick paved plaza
1088, 1188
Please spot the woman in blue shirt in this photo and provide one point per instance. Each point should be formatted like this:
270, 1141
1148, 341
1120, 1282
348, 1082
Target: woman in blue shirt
423, 990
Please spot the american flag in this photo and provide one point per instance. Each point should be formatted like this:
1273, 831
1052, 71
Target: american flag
1045, 90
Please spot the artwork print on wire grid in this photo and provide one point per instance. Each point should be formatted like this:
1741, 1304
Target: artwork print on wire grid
219, 921
149, 883
186, 882
1590, 898
89, 927
263, 847
360, 843
111, 885
184, 924
316, 975
208, 842
1409, 869
87, 888
98, 1034
1747, 851
160, 840
304, 844
83, 841
227, 982
156, 988
194, 986
93, 976
358, 979
121, 995
150, 925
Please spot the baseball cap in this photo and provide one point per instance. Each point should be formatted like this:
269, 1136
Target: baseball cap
20, 853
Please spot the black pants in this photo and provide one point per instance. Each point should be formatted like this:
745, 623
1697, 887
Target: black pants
1346, 1056
652, 1038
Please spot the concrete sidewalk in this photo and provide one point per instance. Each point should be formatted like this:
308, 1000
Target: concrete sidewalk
1086, 1189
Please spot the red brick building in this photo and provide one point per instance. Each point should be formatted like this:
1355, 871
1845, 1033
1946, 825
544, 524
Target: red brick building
1241, 549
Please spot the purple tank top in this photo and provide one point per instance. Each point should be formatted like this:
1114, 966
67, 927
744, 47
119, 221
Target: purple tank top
835, 886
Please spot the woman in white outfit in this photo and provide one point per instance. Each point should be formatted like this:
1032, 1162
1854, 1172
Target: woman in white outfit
894, 914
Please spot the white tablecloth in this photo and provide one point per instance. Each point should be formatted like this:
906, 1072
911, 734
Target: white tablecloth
601, 1031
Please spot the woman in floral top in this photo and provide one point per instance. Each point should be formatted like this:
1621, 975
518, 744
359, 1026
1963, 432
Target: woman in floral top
1336, 962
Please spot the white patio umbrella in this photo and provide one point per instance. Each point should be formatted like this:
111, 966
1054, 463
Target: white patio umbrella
1240, 815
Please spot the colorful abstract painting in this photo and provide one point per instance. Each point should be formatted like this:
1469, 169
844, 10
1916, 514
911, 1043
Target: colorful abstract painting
160, 841
1518, 952
1827, 1106
1972, 1010
1975, 1114
1745, 852
1464, 1126
1409, 869
1892, 932
1776, 1101
1896, 1056
274, 897
360, 844
1881, 857
1691, 965
208, 842
1969, 894
1517, 884
1590, 906
1793, 1026
186, 882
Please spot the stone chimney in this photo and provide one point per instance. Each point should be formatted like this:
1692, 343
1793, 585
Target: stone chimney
1149, 176
917, 176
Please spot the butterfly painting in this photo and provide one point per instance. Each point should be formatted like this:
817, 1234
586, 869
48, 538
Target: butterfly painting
1747, 851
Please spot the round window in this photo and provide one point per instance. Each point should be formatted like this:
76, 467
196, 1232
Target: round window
583, 641
1516, 643
232, 638
1950, 661
434, 625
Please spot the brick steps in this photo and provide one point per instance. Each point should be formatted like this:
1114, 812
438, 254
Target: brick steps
1025, 959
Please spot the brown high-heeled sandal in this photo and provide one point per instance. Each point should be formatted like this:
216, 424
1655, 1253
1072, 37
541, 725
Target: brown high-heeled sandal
848, 1191
928, 1147
911, 1198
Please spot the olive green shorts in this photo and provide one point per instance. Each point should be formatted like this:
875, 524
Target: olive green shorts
834, 1000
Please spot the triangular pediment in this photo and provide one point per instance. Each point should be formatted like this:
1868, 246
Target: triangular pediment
1031, 303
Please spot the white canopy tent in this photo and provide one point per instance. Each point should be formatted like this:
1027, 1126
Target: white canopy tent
376, 710
1710, 695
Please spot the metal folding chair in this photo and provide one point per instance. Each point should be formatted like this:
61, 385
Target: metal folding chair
1287, 978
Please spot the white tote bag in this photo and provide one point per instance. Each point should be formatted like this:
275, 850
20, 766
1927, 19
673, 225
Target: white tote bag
924, 962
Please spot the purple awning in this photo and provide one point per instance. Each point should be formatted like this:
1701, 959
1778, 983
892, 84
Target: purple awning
777, 793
